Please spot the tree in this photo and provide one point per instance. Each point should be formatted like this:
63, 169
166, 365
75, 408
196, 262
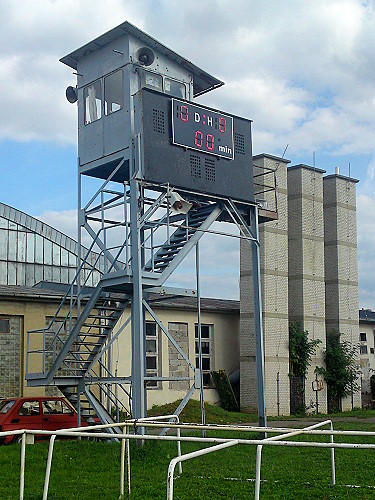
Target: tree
301, 350
341, 371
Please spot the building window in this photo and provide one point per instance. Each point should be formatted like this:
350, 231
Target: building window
371, 350
92, 95
363, 349
4, 325
152, 353
363, 337
206, 353
113, 95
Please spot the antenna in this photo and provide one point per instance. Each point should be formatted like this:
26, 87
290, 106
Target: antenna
314, 159
349, 170
286, 147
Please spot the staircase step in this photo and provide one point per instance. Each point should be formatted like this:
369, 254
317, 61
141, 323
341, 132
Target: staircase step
76, 361
83, 335
109, 308
163, 259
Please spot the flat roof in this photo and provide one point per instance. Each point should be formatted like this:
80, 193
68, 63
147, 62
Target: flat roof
271, 157
45, 291
367, 316
344, 177
203, 81
307, 167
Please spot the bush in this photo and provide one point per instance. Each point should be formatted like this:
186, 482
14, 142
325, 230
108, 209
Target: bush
341, 372
372, 385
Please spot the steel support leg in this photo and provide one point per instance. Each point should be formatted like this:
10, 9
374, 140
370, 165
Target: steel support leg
138, 343
258, 324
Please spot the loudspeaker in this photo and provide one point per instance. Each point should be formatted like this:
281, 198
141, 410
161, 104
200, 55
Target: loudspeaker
178, 204
145, 56
71, 94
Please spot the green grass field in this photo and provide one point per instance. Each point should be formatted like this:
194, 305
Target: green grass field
89, 470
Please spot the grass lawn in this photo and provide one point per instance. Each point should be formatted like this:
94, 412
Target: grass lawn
88, 470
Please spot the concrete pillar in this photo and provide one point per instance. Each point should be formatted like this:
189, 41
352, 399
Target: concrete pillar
340, 241
274, 283
306, 267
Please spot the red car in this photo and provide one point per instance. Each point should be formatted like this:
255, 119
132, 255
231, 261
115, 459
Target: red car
44, 413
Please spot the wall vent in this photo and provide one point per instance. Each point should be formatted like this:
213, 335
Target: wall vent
209, 165
158, 121
239, 144
195, 166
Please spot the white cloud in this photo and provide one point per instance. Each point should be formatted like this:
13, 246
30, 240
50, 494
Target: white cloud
366, 249
302, 71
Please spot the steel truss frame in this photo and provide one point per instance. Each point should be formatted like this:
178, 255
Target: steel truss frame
140, 205
134, 249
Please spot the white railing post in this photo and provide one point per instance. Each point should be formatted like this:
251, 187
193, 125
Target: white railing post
22, 473
257, 471
128, 459
122, 466
333, 466
48, 468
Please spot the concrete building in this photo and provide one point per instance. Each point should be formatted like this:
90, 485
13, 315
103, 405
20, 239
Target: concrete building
309, 276
274, 284
340, 253
306, 268
27, 308
367, 353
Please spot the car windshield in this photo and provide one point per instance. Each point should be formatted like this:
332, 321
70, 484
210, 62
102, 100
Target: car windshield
6, 405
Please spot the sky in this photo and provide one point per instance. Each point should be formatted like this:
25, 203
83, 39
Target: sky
303, 71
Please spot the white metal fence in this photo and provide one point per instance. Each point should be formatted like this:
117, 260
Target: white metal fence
172, 422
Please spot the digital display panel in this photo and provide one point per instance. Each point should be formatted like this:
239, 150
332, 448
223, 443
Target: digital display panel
202, 129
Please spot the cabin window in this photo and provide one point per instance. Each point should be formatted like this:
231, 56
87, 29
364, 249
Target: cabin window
113, 94
92, 95
174, 88
151, 80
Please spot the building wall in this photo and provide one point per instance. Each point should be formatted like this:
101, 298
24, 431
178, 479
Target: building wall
341, 262
273, 238
25, 315
224, 351
11, 337
367, 358
306, 267
30, 314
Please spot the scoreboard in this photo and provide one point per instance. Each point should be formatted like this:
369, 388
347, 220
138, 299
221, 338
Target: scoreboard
194, 147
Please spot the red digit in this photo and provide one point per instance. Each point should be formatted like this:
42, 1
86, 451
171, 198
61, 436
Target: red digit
210, 142
222, 124
184, 113
198, 138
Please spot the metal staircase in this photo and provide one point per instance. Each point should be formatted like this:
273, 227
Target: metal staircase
185, 237
71, 348
69, 359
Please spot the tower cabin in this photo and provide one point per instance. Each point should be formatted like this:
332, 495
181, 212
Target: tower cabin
135, 102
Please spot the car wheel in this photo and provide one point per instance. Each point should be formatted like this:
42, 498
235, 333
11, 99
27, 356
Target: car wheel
17, 439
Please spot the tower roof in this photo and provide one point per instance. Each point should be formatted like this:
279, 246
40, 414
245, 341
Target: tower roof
203, 82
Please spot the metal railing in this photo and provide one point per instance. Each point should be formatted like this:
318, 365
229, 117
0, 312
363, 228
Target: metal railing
218, 443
